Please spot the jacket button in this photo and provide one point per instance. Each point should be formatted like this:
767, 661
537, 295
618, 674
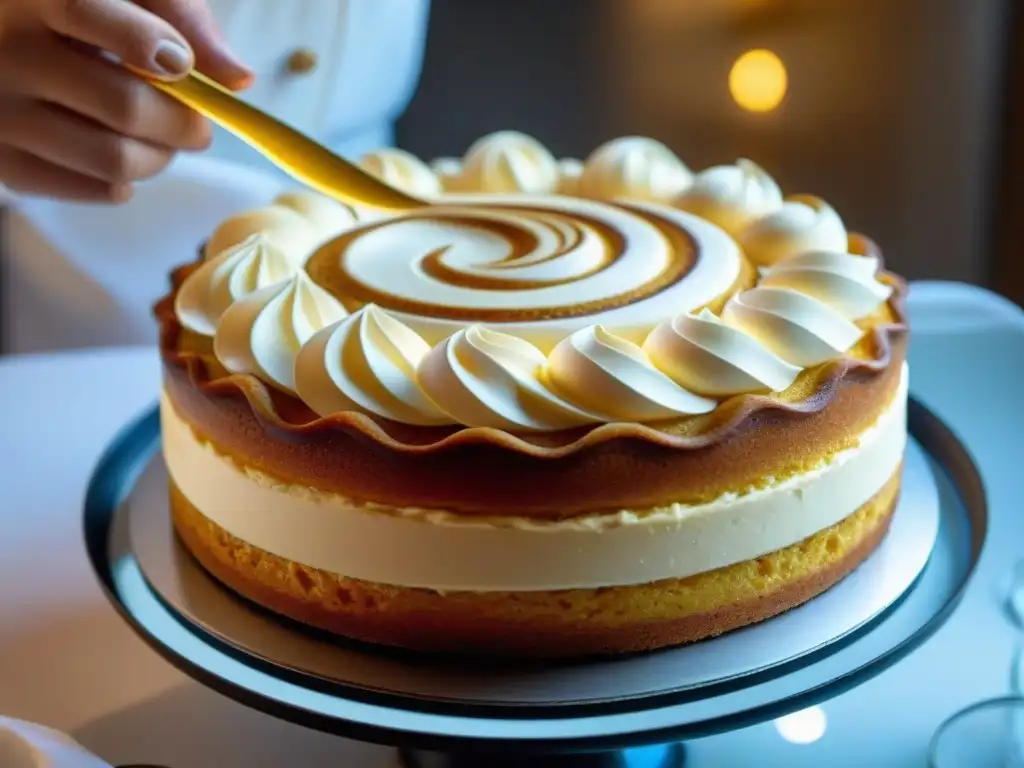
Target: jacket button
302, 61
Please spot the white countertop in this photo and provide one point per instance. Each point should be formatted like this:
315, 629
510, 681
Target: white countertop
67, 660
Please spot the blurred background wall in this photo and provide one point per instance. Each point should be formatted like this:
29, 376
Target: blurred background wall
896, 111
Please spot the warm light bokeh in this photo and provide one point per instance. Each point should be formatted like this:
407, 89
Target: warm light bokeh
758, 81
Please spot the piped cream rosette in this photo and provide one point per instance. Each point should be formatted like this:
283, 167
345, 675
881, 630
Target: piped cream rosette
512, 162
535, 312
404, 171
295, 223
635, 168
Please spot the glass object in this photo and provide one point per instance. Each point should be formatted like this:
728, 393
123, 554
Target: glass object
1017, 671
989, 734
1015, 597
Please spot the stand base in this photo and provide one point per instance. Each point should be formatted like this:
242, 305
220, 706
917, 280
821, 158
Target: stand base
661, 756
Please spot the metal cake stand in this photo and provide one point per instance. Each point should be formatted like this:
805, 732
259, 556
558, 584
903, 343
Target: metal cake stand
629, 712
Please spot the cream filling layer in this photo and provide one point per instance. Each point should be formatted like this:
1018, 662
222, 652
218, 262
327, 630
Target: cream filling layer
444, 551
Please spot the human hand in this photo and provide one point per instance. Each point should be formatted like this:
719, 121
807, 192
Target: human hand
78, 126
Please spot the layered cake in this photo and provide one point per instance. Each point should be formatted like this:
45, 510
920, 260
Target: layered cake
571, 407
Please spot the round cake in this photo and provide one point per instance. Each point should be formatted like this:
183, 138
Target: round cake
569, 408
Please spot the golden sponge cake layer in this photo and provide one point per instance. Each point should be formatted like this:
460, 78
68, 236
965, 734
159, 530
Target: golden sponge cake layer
542, 624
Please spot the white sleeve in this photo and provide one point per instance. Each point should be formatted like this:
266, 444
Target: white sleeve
368, 55
381, 60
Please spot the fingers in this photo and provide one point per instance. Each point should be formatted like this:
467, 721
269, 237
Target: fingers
74, 124
50, 70
138, 37
153, 36
30, 175
79, 145
194, 20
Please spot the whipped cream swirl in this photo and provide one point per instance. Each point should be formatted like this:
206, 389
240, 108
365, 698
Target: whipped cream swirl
803, 223
219, 282
798, 328
509, 161
287, 229
844, 281
636, 168
262, 333
731, 196
704, 354
801, 314
402, 170
614, 379
485, 378
373, 363
366, 362
325, 217
295, 222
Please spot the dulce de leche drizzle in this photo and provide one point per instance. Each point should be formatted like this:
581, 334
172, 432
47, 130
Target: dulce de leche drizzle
504, 260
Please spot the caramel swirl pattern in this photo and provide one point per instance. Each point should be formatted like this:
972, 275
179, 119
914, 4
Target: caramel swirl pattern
541, 268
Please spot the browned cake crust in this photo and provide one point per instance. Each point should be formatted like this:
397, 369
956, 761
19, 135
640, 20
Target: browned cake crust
542, 624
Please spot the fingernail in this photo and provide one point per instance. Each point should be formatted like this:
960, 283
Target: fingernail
172, 58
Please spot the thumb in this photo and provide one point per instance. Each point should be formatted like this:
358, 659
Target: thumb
213, 57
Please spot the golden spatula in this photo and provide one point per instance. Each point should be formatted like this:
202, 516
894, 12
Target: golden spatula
296, 154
